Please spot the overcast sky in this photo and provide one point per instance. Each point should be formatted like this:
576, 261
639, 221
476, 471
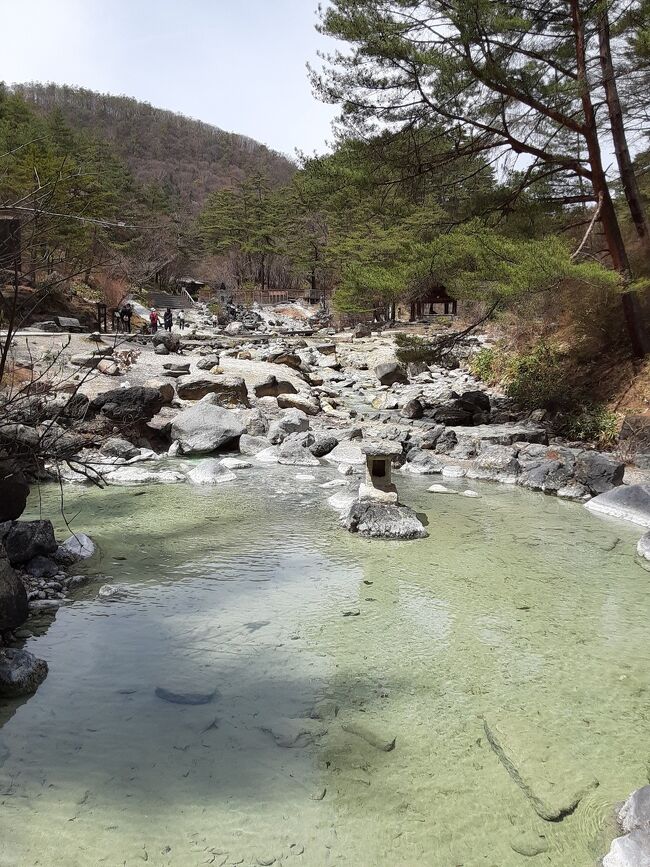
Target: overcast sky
238, 64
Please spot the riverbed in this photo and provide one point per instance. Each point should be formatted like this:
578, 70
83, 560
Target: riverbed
349, 685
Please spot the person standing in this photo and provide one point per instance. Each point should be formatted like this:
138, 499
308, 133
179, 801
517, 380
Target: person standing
168, 319
181, 320
153, 320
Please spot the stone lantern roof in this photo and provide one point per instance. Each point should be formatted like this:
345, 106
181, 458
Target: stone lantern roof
381, 448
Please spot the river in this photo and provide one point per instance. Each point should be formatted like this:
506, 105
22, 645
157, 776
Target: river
520, 614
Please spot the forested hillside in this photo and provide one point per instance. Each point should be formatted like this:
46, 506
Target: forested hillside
186, 158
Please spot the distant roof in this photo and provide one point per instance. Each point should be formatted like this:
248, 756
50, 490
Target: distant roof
190, 280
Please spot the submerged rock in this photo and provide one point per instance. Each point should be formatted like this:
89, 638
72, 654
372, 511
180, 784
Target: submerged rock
186, 697
383, 520
554, 783
21, 673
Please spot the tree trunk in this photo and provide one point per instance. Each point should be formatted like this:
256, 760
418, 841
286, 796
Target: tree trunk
625, 167
637, 334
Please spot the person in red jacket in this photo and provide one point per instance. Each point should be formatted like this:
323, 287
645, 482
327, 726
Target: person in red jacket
153, 320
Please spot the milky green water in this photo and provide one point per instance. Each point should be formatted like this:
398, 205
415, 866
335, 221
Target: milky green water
519, 610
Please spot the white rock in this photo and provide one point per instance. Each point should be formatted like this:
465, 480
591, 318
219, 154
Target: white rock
341, 502
345, 470
441, 489
452, 472
305, 477
234, 464
469, 493
210, 472
632, 850
335, 483
346, 453
268, 456
142, 476
79, 546
174, 449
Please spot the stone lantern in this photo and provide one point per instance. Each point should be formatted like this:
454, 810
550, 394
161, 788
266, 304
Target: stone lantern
377, 484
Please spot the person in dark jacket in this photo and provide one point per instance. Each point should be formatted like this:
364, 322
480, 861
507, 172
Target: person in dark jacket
168, 319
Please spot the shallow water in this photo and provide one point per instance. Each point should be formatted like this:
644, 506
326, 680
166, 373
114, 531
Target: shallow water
518, 611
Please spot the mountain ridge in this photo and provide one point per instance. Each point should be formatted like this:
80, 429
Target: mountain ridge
187, 158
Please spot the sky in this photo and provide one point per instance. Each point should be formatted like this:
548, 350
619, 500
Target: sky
237, 64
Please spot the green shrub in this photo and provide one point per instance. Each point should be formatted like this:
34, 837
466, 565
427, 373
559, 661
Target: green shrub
539, 378
483, 365
410, 348
593, 422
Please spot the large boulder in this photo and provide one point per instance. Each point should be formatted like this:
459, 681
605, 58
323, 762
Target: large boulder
27, 539
21, 673
632, 850
298, 401
136, 403
251, 445
643, 547
496, 463
210, 472
290, 359
208, 362
230, 390
41, 567
422, 463
597, 472
629, 502
452, 414
14, 491
635, 812
474, 401
323, 444
294, 451
168, 339
412, 409
117, 447
347, 452
13, 598
383, 520
273, 387
204, 428
293, 421
390, 373
545, 468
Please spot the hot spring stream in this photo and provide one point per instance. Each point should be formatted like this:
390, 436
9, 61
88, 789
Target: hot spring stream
521, 616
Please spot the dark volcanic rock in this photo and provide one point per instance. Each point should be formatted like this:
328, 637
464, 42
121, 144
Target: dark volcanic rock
273, 387
14, 491
390, 373
170, 341
21, 673
137, 403
13, 598
27, 539
383, 520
